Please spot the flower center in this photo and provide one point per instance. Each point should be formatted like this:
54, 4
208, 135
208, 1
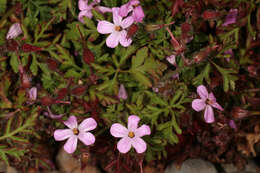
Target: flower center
75, 131
209, 102
118, 28
131, 134
135, 5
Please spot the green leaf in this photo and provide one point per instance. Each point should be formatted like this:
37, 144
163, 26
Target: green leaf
3, 6
228, 77
203, 75
97, 15
34, 65
89, 23
14, 62
139, 76
73, 73
139, 58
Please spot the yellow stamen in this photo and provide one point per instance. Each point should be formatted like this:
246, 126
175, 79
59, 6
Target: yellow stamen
131, 134
118, 28
75, 131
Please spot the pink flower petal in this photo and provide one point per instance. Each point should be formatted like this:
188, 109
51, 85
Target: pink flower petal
217, 106
198, 104
86, 138
103, 9
232, 124
51, 115
14, 31
105, 27
83, 5
209, 114
85, 13
113, 39
127, 22
71, 122
231, 17
124, 10
118, 131
171, 59
212, 97
122, 94
71, 144
62, 134
202, 91
87, 125
138, 14
142, 131
139, 145
117, 19
124, 145
33, 93
123, 40
133, 121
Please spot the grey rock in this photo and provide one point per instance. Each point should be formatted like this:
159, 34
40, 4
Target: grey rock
193, 166
11, 170
2, 167
251, 167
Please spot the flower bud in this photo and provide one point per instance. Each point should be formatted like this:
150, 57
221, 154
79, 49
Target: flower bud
152, 27
122, 94
239, 113
14, 31
33, 93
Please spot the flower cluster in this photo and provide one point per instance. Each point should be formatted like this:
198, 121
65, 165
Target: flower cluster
123, 18
131, 136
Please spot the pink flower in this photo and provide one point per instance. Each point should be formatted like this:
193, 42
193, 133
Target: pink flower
172, 59
85, 9
122, 94
117, 31
76, 132
232, 124
206, 103
32, 93
14, 31
134, 7
231, 17
131, 136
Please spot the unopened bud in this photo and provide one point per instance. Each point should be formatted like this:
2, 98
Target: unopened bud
152, 27
14, 31
239, 113
122, 94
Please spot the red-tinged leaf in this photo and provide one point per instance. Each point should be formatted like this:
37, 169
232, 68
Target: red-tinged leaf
210, 14
88, 56
132, 30
30, 48
62, 93
176, 6
47, 101
87, 107
12, 45
79, 90
185, 27
52, 64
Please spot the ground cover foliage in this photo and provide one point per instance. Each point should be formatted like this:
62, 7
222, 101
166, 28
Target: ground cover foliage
75, 73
